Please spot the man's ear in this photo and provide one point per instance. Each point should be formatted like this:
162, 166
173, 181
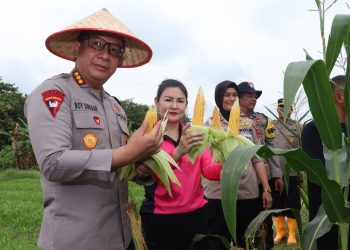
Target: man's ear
76, 49
338, 97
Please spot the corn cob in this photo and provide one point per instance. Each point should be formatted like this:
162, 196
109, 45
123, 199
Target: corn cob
151, 117
235, 114
216, 119
198, 111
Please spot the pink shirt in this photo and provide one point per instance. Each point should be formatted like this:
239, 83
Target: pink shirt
190, 196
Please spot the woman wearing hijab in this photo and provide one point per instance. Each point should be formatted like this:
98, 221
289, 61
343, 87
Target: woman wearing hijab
248, 204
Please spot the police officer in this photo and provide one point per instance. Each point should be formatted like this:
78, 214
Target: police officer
286, 137
248, 200
265, 133
79, 133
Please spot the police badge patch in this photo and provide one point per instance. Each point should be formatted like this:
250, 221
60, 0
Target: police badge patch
53, 99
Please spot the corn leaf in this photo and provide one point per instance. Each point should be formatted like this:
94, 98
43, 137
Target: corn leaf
336, 165
340, 27
158, 170
163, 158
199, 237
315, 229
313, 74
332, 196
347, 83
230, 177
159, 164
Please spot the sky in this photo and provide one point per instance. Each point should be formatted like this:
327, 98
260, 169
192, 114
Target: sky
197, 42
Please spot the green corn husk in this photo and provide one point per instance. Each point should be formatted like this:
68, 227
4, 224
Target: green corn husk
159, 163
128, 172
198, 150
223, 143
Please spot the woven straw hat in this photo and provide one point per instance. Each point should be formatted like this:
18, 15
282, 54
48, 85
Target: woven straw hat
136, 51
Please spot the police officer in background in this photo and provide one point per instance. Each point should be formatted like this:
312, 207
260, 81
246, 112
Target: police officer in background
286, 132
79, 133
265, 133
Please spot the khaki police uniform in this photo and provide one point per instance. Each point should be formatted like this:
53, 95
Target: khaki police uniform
248, 184
265, 132
247, 207
285, 139
73, 130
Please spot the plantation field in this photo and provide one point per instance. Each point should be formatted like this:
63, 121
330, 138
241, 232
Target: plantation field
21, 209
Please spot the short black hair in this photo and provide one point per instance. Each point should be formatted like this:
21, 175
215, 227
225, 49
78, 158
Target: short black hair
168, 83
338, 82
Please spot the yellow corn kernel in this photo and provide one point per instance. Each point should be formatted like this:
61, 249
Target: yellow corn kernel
216, 123
198, 111
235, 114
152, 118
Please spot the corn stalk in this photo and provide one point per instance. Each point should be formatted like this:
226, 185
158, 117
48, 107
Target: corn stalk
314, 76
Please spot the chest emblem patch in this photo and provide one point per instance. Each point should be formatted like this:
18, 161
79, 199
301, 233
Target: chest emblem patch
97, 120
90, 140
53, 99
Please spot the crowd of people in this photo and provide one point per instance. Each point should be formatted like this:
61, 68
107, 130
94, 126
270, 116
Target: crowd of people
81, 140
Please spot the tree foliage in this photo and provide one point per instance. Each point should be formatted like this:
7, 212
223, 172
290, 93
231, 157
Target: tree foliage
11, 109
135, 113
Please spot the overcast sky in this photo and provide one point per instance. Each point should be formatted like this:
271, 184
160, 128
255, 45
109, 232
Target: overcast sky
200, 43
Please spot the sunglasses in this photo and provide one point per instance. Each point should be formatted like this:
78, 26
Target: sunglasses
99, 44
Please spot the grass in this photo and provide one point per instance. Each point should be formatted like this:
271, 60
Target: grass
21, 209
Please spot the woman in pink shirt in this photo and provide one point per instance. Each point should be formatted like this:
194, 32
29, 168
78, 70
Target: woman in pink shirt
169, 223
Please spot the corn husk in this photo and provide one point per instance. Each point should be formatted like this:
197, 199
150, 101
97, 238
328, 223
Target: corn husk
196, 151
160, 163
136, 228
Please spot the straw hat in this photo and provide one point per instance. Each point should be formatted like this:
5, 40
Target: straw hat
136, 51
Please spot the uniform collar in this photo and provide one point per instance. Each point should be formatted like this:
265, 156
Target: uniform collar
81, 82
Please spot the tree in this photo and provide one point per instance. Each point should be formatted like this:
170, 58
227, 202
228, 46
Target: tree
11, 109
135, 113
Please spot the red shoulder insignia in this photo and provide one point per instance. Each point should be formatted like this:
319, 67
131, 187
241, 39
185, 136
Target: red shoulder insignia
53, 99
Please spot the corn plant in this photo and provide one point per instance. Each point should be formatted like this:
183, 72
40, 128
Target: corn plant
333, 178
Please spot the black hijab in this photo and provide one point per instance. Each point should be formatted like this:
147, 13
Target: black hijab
219, 96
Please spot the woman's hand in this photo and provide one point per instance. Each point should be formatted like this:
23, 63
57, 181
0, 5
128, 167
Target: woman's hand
187, 141
267, 199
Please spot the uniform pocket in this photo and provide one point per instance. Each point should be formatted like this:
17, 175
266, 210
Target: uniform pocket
86, 120
88, 130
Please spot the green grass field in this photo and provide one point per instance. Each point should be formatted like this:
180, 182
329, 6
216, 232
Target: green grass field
21, 209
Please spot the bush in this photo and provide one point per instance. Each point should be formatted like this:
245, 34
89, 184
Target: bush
7, 157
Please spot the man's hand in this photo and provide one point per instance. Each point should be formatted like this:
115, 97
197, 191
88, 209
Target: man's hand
139, 146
